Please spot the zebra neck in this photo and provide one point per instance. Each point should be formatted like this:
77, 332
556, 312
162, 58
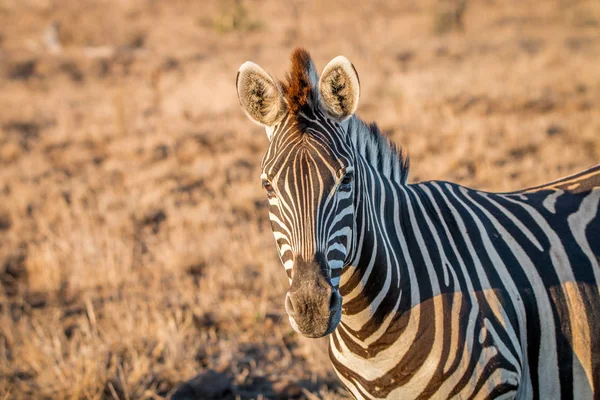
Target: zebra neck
376, 284
377, 150
391, 271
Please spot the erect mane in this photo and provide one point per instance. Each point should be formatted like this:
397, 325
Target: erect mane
299, 87
378, 150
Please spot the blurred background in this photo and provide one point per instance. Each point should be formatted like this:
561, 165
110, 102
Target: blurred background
136, 257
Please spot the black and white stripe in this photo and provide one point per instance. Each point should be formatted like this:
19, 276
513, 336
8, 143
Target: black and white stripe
448, 292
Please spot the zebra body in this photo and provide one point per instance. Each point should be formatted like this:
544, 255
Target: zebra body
488, 295
428, 290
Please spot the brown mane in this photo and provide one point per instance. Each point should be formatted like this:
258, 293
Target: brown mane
297, 88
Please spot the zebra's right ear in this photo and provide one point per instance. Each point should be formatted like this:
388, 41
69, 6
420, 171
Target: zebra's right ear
259, 95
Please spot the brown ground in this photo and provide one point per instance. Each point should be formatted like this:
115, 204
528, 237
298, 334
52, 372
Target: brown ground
135, 251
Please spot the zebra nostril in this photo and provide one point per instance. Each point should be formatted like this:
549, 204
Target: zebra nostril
333, 301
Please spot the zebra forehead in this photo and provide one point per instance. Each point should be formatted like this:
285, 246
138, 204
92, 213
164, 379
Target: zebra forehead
304, 157
312, 134
317, 158
312, 129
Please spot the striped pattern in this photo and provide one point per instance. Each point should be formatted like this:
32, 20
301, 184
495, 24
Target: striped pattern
477, 295
448, 292
311, 213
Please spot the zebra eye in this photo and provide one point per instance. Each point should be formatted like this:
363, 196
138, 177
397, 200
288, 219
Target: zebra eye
347, 179
268, 187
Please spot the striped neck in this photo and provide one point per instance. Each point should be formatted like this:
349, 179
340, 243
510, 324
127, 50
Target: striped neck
377, 150
380, 286
375, 285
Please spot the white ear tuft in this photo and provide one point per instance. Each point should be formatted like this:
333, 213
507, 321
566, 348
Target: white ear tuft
340, 88
259, 95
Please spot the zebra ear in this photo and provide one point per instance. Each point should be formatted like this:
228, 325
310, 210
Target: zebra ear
259, 95
339, 88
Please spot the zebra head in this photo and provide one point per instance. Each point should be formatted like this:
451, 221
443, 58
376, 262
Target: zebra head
309, 177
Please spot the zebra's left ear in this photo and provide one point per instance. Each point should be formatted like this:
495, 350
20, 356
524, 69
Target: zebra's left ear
339, 88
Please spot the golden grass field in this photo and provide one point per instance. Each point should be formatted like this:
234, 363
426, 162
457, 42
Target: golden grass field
135, 248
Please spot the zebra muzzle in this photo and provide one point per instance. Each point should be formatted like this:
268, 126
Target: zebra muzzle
313, 304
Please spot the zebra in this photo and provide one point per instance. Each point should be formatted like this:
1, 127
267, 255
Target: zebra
426, 290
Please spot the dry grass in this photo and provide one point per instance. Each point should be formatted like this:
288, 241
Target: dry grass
135, 251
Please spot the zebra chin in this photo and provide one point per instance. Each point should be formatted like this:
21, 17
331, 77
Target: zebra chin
314, 317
